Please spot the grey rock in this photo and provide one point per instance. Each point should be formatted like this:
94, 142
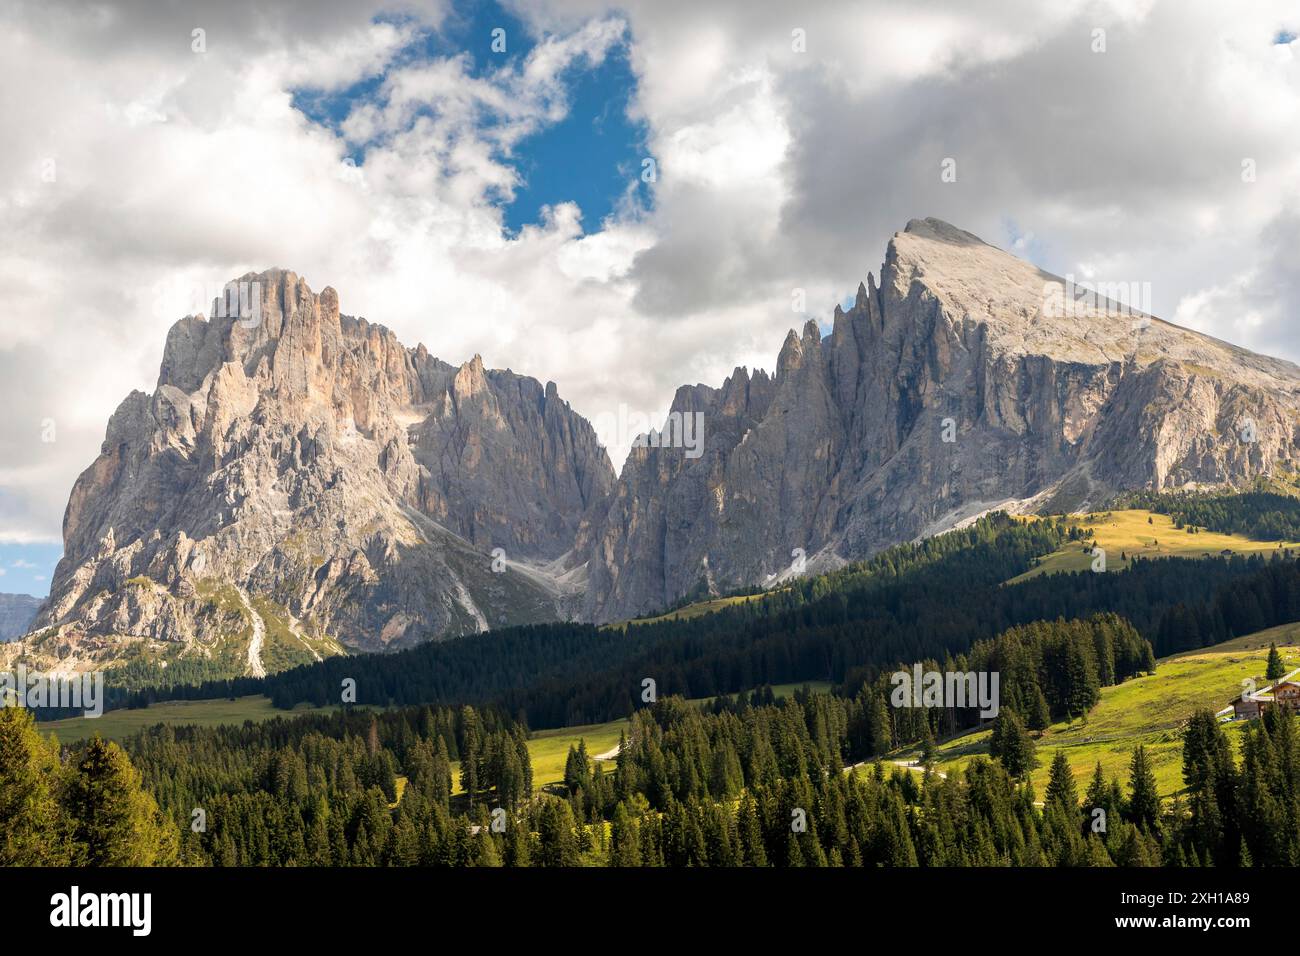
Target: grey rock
17, 612
313, 461
1054, 404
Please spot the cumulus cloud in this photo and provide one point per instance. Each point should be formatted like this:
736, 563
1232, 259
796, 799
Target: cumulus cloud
789, 144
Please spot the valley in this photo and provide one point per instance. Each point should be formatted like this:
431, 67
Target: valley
449, 544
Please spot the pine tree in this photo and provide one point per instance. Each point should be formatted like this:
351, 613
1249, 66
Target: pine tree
557, 844
625, 842
114, 822
576, 767
519, 843
485, 852
1040, 715
1275, 670
1061, 789
1144, 799
753, 850
1097, 790
33, 829
1011, 744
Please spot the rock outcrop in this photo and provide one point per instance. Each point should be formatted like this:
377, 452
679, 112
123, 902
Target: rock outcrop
968, 380
355, 487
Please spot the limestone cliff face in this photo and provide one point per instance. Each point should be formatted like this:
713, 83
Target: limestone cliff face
307, 475
305, 479
967, 380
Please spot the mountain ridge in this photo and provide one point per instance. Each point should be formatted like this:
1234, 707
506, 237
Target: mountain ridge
362, 487
17, 612
958, 342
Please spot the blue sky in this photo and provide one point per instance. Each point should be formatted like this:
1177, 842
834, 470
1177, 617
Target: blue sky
27, 568
589, 157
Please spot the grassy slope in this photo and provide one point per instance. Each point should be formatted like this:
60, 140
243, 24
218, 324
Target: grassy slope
698, 609
283, 647
1130, 533
117, 724
1147, 710
549, 749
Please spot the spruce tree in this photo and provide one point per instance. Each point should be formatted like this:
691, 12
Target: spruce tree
1040, 715
33, 829
625, 842
1275, 670
1061, 790
1144, 800
557, 845
114, 822
1011, 744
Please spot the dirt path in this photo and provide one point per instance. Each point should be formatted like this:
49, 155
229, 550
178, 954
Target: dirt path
917, 766
905, 764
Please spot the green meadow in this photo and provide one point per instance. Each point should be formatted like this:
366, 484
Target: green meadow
1149, 710
1124, 535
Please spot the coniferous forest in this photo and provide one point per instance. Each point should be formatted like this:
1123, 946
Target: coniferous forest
747, 781
431, 766
915, 602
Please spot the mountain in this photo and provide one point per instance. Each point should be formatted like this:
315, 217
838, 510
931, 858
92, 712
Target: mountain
16, 614
298, 477
1051, 400
300, 482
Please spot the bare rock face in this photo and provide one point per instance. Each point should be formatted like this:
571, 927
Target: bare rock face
16, 614
305, 476
303, 482
969, 380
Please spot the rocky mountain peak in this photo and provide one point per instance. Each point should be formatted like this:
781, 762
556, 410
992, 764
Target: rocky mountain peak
306, 458
968, 380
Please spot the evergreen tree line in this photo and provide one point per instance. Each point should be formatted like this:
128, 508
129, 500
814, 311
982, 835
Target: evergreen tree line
566, 674
323, 789
1267, 597
745, 780
755, 782
1047, 671
1263, 515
